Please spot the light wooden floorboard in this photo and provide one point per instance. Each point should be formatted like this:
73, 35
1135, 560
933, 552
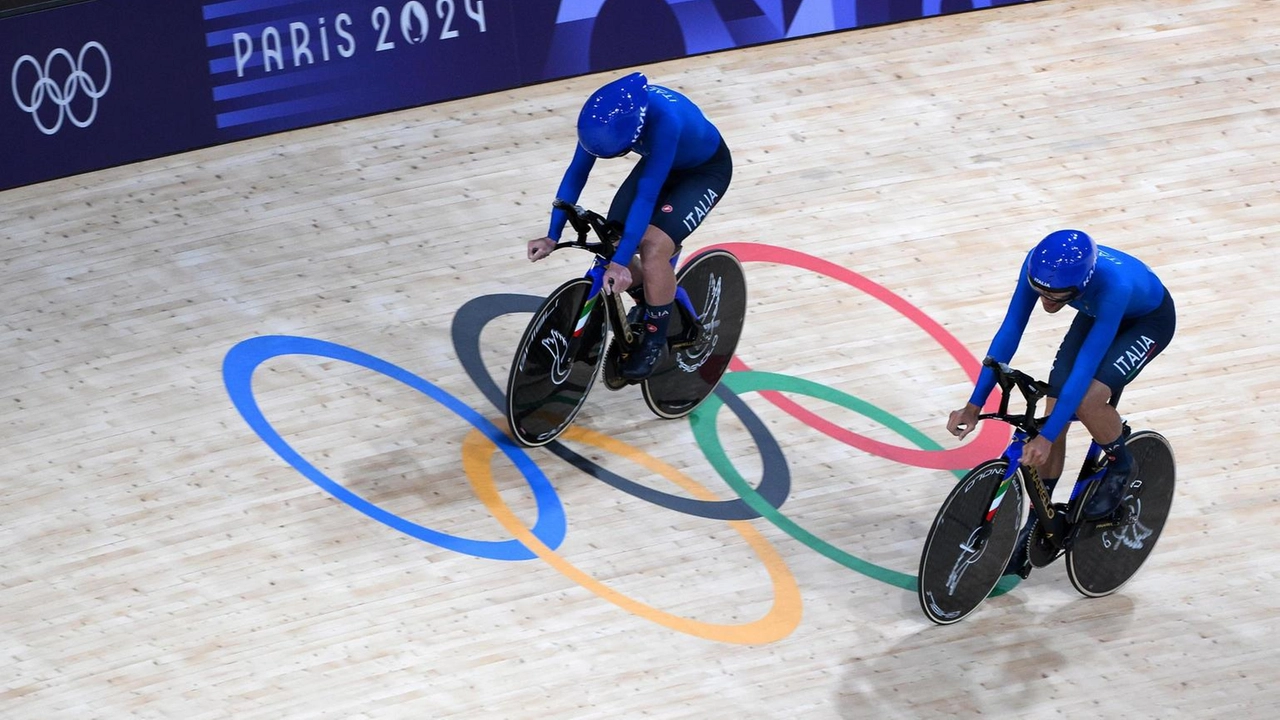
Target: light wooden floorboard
162, 561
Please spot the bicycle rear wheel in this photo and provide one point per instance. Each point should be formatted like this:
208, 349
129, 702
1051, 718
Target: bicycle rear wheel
718, 289
552, 370
958, 567
1105, 555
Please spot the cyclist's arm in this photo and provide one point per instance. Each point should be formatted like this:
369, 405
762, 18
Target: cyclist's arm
656, 168
1007, 338
1100, 337
575, 178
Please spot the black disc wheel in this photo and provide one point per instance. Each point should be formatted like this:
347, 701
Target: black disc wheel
555, 364
963, 556
1107, 553
717, 287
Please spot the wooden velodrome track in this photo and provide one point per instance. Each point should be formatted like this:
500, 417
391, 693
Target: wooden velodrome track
163, 561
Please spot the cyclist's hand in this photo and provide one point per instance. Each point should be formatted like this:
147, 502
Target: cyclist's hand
1036, 451
540, 248
616, 277
963, 421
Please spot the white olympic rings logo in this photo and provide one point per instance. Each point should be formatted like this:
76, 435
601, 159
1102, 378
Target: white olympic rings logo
62, 95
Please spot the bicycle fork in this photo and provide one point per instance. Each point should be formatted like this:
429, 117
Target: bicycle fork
692, 325
1052, 518
615, 315
978, 539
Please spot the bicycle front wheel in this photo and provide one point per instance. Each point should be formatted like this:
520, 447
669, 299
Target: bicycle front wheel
964, 556
1106, 555
553, 368
717, 288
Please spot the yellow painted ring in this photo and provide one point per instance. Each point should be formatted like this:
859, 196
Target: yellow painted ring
783, 617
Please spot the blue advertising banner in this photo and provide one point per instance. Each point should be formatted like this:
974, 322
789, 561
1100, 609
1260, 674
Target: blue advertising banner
98, 84
277, 64
108, 82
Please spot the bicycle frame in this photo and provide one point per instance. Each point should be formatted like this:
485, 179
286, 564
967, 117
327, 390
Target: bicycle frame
1058, 528
974, 539
585, 222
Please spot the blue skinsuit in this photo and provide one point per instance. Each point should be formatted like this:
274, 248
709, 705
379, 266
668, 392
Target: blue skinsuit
1121, 287
676, 136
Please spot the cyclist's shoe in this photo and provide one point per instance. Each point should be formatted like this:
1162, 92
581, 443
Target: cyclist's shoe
640, 363
1110, 492
1019, 563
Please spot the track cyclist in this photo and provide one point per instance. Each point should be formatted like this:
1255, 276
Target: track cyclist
684, 169
1124, 318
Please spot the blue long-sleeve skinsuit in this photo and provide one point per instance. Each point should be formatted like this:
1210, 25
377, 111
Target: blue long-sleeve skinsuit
1121, 287
676, 136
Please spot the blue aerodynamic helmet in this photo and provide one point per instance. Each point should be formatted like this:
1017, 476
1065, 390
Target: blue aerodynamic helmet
1063, 262
612, 118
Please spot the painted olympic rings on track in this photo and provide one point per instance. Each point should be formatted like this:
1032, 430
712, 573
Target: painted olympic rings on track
703, 423
237, 372
783, 617
468, 323
988, 442
479, 448
549, 530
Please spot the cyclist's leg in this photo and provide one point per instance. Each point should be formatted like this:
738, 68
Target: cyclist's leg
659, 282
1137, 343
1095, 412
1049, 472
1063, 363
639, 362
659, 278
685, 200
1052, 468
618, 208
650, 245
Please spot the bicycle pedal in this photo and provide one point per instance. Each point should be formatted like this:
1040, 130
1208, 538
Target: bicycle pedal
684, 339
614, 382
613, 379
1023, 572
1118, 518
1041, 551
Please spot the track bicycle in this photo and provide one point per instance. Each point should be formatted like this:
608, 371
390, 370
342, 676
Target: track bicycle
580, 332
976, 530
